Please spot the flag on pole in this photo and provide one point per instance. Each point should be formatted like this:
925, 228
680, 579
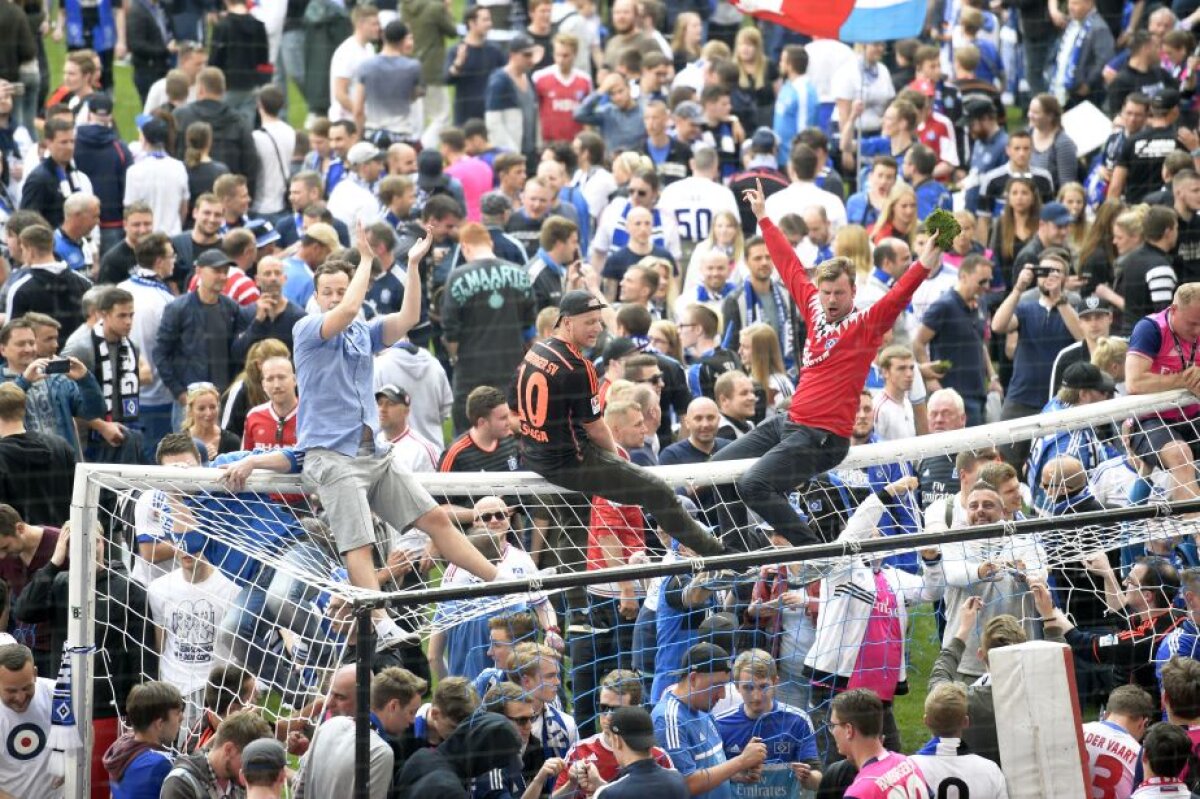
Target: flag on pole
850, 21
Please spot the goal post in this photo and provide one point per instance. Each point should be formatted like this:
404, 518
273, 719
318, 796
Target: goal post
287, 598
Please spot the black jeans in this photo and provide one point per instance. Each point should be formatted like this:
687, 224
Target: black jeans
788, 456
593, 655
610, 476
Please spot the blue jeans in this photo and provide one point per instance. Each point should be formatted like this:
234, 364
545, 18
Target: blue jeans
154, 422
788, 455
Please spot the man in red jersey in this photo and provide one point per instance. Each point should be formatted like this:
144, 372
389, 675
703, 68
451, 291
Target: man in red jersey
814, 437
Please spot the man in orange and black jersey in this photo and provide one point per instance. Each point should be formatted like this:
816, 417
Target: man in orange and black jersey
564, 437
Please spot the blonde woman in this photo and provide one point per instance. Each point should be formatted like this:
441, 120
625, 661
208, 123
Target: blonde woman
758, 76
668, 284
687, 39
762, 358
725, 236
1108, 355
628, 164
200, 422
898, 217
852, 242
664, 337
246, 390
1127, 237
1074, 198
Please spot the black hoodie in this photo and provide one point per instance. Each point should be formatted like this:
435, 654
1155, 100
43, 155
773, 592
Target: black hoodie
483, 742
37, 475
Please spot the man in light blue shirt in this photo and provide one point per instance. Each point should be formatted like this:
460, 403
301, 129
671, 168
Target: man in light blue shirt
339, 421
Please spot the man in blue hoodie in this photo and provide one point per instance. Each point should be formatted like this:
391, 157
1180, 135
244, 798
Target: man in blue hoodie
138, 761
103, 157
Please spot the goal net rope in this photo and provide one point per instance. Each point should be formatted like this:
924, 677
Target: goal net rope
253, 578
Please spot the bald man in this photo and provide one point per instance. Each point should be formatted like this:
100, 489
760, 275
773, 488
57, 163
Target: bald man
702, 420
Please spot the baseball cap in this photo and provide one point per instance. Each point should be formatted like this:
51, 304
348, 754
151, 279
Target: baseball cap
495, 203
635, 727
394, 393
1057, 213
520, 43
213, 259
265, 754
704, 658
619, 348
323, 233
1165, 100
1095, 305
154, 130
429, 164
978, 105
100, 104
574, 303
764, 140
1084, 375
363, 152
689, 109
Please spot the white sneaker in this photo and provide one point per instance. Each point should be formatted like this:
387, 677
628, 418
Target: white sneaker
388, 635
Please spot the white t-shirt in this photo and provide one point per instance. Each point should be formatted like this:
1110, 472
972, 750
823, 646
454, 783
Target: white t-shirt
1112, 759
950, 774
851, 82
352, 201
826, 58
414, 452
693, 202
346, 58
161, 182
602, 239
893, 420
803, 194
25, 752
189, 615
157, 96
275, 143
150, 297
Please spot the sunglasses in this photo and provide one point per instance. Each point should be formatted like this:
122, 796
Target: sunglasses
521, 721
494, 516
196, 388
658, 378
640, 192
606, 709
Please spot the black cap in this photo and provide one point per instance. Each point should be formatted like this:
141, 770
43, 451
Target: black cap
978, 105
1165, 100
394, 393
574, 303
429, 164
521, 42
265, 754
1094, 305
213, 258
1083, 375
705, 658
635, 727
100, 104
619, 348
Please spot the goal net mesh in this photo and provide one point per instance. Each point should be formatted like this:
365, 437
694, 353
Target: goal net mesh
253, 578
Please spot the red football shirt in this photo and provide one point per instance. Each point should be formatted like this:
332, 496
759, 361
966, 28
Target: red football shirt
558, 98
265, 430
594, 750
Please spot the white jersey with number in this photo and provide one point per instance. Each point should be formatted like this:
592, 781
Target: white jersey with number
25, 756
692, 203
1156, 788
1112, 758
189, 615
950, 774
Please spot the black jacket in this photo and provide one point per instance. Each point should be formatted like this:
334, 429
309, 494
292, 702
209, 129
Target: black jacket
17, 44
124, 632
279, 328
233, 144
484, 741
37, 475
42, 190
54, 290
239, 47
181, 349
1146, 279
147, 49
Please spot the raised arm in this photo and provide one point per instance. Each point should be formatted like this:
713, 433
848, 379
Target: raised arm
397, 325
790, 268
344, 312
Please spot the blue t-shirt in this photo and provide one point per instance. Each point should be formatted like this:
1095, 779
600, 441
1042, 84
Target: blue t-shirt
298, 285
1042, 334
143, 777
958, 338
985, 156
859, 210
788, 735
692, 740
931, 196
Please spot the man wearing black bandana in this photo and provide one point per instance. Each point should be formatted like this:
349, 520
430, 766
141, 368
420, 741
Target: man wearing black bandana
113, 359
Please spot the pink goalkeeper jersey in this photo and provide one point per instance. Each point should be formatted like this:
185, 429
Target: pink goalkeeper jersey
892, 776
881, 653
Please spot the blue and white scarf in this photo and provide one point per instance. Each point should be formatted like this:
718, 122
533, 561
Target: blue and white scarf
620, 236
1070, 76
104, 35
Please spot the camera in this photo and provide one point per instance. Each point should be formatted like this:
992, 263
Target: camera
1043, 271
57, 366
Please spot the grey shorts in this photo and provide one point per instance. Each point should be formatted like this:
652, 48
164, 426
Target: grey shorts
351, 488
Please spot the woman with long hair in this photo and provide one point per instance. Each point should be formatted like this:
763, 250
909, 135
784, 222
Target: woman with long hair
687, 39
202, 170
1127, 237
200, 422
851, 241
1018, 224
664, 337
898, 217
1073, 196
758, 75
1098, 252
725, 236
762, 358
1053, 149
246, 391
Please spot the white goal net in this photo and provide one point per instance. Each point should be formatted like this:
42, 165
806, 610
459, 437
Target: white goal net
202, 577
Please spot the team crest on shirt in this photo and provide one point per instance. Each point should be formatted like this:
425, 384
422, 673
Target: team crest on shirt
512, 463
26, 741
830, 343
595, 405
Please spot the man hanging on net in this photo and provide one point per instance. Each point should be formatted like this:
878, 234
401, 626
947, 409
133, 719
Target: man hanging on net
814, 437
339, 423
564, 437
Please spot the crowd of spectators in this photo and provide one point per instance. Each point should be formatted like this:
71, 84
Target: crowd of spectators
156, 284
